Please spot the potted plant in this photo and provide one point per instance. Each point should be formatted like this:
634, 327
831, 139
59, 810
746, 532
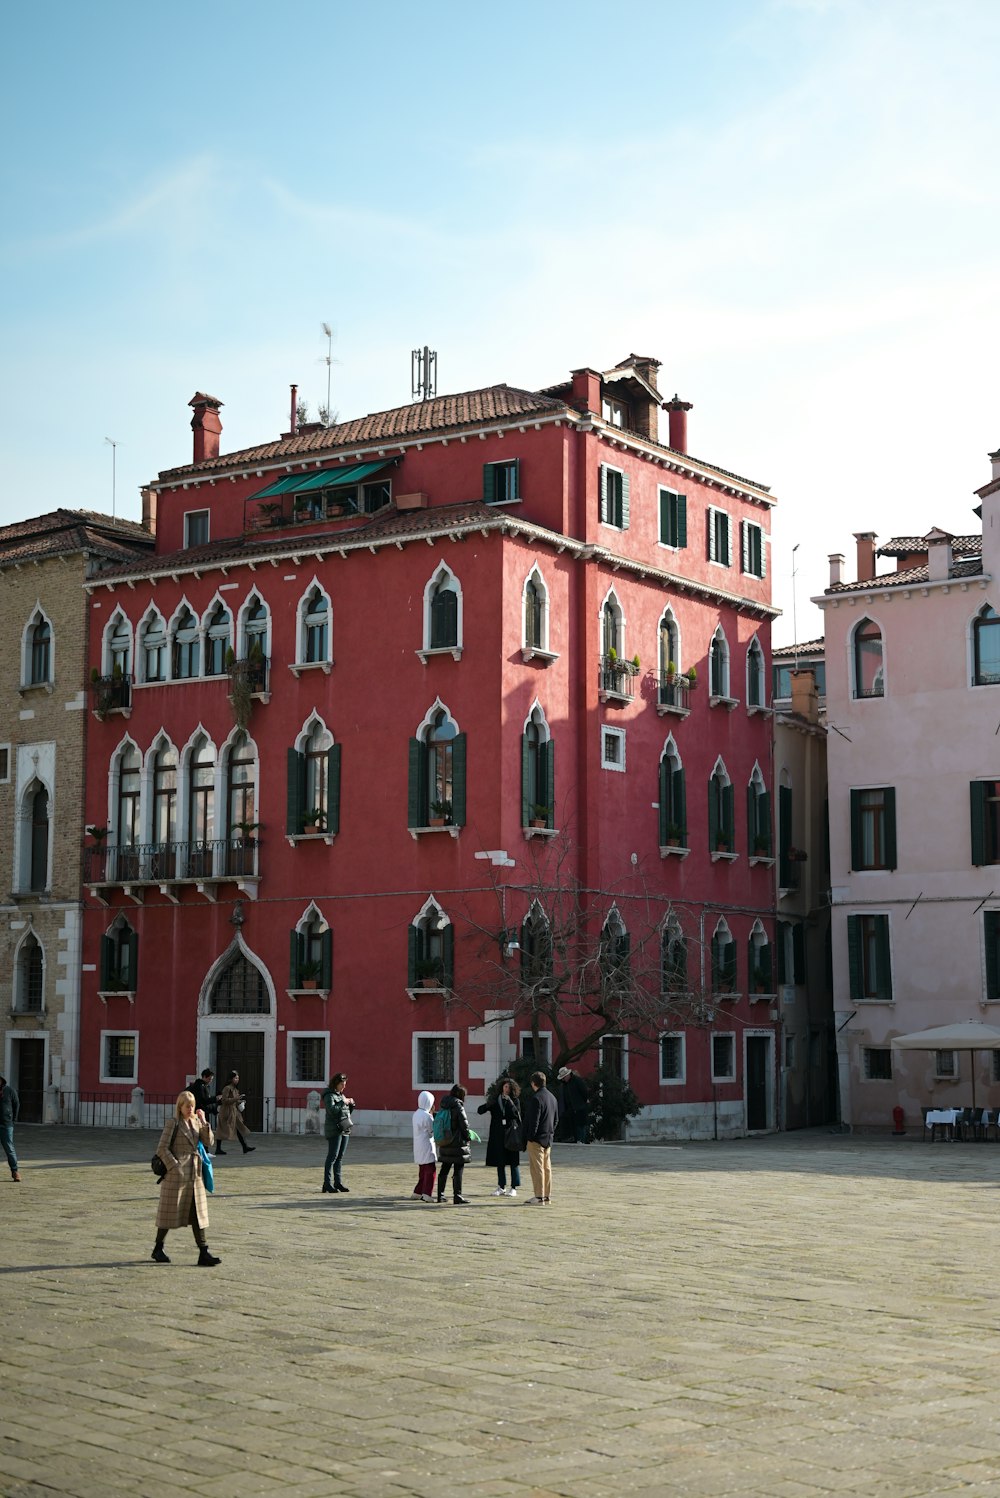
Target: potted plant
309, 974
798, 855
692, 678
539, 815
314, 820
673, 835
671, 672
427, 971
440, 813
636, 664
760, 845
98, 834
759, 980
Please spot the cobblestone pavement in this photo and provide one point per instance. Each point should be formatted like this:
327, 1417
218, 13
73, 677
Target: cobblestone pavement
769, 1318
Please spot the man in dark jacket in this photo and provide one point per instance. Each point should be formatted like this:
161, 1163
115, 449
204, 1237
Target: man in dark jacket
205, 1096
540, 1118
10, 1107
575, 1102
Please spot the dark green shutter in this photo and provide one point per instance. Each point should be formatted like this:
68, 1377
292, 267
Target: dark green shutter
781, 927
416, 799
977, 793
884, 974
679, 805
764, 818
412, 938
333, 789
991, 930
107, 960
728, 818
751, 818
526, 797
666, 528
516, 471
603, 511
729, 964
799, 951
764, 964
458, 780
857, 841
623, 949
713, 814
625, 502
550, 782
326, 960
854, 956
448, 955
890, 827
727, 537
293, 959
784, 835
682, 520
710, 533
745, 539
489, 483
664, 799
296, 792
132, 948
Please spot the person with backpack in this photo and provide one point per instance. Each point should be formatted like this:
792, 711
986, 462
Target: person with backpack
424, 1147
503, 1148
337, 1126
454, 1141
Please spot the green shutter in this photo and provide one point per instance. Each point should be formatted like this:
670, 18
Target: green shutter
416, 799
326, 960
857, 842
713, 814
296, 792
666, 529
890, 826
882, 957
107, 960
784, 835
550, 782
682, 520
991, 930
745, 541
727, 538
132, 947
516, 466
448, 955
764, 964
623, 949
781, 928
763, 551
679, 805
854, 956
799, 951
977, 794
710, 518
751, 818
333, 789
412, 937
293, 959
526, 797
603, 511
728, 818
664, 799
625, 502
458, 780
764, 818
729, 964
489, 483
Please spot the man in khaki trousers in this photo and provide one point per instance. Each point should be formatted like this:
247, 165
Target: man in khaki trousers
540, 1118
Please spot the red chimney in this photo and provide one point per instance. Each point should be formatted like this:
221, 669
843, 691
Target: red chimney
207, 427
678, 409
294, 417
866, 555
586, 395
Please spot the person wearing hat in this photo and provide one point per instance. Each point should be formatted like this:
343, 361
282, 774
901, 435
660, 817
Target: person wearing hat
575, 1103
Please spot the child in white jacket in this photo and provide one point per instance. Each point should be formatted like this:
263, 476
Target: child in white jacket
424, 1147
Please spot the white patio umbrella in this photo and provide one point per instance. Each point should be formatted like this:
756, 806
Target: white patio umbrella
965, 1035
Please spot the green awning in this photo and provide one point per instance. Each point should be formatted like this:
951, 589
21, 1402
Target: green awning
325, 478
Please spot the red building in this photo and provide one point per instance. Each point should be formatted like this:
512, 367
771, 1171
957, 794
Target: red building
387, 695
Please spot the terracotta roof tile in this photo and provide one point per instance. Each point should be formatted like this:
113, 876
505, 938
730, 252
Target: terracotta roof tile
61, 532
901, 546
907, 579
805, 647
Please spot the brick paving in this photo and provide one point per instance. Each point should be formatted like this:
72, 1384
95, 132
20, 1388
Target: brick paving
773, 1318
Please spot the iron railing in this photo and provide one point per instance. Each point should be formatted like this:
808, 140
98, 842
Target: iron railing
673, 690
172, 863
283, 1114
111, 692
615, 677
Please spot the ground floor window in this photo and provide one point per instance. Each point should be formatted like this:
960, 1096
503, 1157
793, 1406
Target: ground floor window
878, 1063
723, 1058
671, 1058
435, 1060
119, 1056
542, 1053
307, 1060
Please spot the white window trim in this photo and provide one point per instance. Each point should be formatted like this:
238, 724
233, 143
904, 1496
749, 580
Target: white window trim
545, 1035
119, 1081
756, 707
240, 629
188, 516
722, 1035
541, 652
300, 663
139, 677
27, 685
748, 526
713, 560
417, 1081
611, 524
426, 650
614, 1034
294, 1035
662, 489
681, 1080
619, 733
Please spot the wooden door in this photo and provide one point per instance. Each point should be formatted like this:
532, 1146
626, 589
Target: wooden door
29, 1078
243, 1051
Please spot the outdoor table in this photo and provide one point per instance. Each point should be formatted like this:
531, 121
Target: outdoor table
942, 1118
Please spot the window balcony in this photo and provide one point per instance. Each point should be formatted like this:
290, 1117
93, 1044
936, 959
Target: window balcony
166, 865
111, 694
614, 680
673, 693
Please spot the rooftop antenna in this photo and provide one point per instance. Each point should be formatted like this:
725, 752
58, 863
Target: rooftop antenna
423, 373
795, 626
329, 364
114, 463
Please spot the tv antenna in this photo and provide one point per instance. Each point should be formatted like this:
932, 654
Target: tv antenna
328, 361
423, 373
795, 626
114, 463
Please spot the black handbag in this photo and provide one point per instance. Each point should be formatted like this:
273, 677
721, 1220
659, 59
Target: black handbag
513, 1135
156, 1165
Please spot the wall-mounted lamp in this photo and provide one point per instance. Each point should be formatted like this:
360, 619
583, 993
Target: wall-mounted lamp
509, 943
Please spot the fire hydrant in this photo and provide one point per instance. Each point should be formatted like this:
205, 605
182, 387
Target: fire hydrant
897, 1120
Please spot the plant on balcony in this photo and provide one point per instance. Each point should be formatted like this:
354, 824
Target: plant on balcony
429, 972
670, 672
760, 980
540, 814
760, 845
692, 677
309, 974
636, 664
441, 813
245, 830
98, 834
673, 835
240, 690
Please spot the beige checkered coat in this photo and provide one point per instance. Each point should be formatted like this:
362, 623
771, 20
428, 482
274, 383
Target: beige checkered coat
183, 1177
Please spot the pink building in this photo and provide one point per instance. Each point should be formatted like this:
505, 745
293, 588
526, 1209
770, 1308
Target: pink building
386, 692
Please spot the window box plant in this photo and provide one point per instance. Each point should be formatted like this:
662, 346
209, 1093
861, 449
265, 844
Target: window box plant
98, 834
428, 972
309, 974
314, 820
670, 673
673, 835
692, 678
441, 813
539, 815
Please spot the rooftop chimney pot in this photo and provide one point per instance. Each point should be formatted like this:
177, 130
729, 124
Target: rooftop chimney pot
836, 568
866, 555
207, 427
678, 409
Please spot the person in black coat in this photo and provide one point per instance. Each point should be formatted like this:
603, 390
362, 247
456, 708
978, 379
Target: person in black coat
205, 1096
505, 1127
541, 1114
454, 1153
575, 1103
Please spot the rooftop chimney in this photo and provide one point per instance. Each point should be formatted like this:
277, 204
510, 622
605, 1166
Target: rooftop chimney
939, 555
805, 698
678, 409
836, 568
149, 510
207, 427
866, 555
586, 393
995, 460
294, 413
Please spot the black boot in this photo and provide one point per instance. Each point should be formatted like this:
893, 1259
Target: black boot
248, 1149
219, 1150
205, 1259
158, 1256
339, 1186
327, 1188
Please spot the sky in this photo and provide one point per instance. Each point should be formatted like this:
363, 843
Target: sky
791, 203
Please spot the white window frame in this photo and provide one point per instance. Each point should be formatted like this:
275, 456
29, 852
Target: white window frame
756, 649
190, 515
747, 526
607, 732
715, 1035
544, 651
36, 616
442, 573
292, 1037
300, 663
712, 511
681, 1080
418, 1082
674, 494
615, 1034
615, 525
544, 1035
107, 1035
865, 1073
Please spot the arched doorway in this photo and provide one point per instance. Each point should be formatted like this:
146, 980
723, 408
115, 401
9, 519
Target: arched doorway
236, 1027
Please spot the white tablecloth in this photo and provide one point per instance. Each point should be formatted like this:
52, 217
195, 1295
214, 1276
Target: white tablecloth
943, 1116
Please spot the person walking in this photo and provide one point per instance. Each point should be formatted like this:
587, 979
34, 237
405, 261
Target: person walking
183, 1200
424, 1148
575, 1103
540, 1118
10, 1107
205, 1096
231, 1125
337, 1125
503, 1148
456, 1148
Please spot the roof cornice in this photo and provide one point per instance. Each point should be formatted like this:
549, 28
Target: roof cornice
871, 589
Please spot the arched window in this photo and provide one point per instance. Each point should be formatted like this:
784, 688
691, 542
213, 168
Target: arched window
437, 773
723, 960
536, 613
536, 949
615, 956
721, 823
868, 664
760, 966
313, 782
718, 665
153, 648
255, 623
200, 809
316, 628
164, 822
671, 689
38, 873
120, 647
612, 631
187, 647
311, 958
29, 986
755, 674
673, 798
537, 772
39, 651
239, 988
759, 839
128, 823
316, 750
241, 803
119, 958
986, 648
443, 613
431, 949
218, 640
673, 958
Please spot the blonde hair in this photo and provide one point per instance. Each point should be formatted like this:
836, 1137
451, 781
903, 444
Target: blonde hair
182, 1098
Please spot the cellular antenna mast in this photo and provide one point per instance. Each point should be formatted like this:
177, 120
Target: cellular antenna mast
329, 364
114, 463
795, 626
423, 373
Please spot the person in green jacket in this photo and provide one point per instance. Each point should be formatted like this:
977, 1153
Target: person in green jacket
337, 1127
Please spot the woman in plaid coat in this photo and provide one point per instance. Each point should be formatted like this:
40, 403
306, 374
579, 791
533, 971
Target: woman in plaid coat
183, 1201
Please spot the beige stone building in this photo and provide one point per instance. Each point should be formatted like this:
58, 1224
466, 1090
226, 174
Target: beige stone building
45, 695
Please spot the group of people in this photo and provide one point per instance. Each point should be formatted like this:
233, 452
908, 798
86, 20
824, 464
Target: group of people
513, 1128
